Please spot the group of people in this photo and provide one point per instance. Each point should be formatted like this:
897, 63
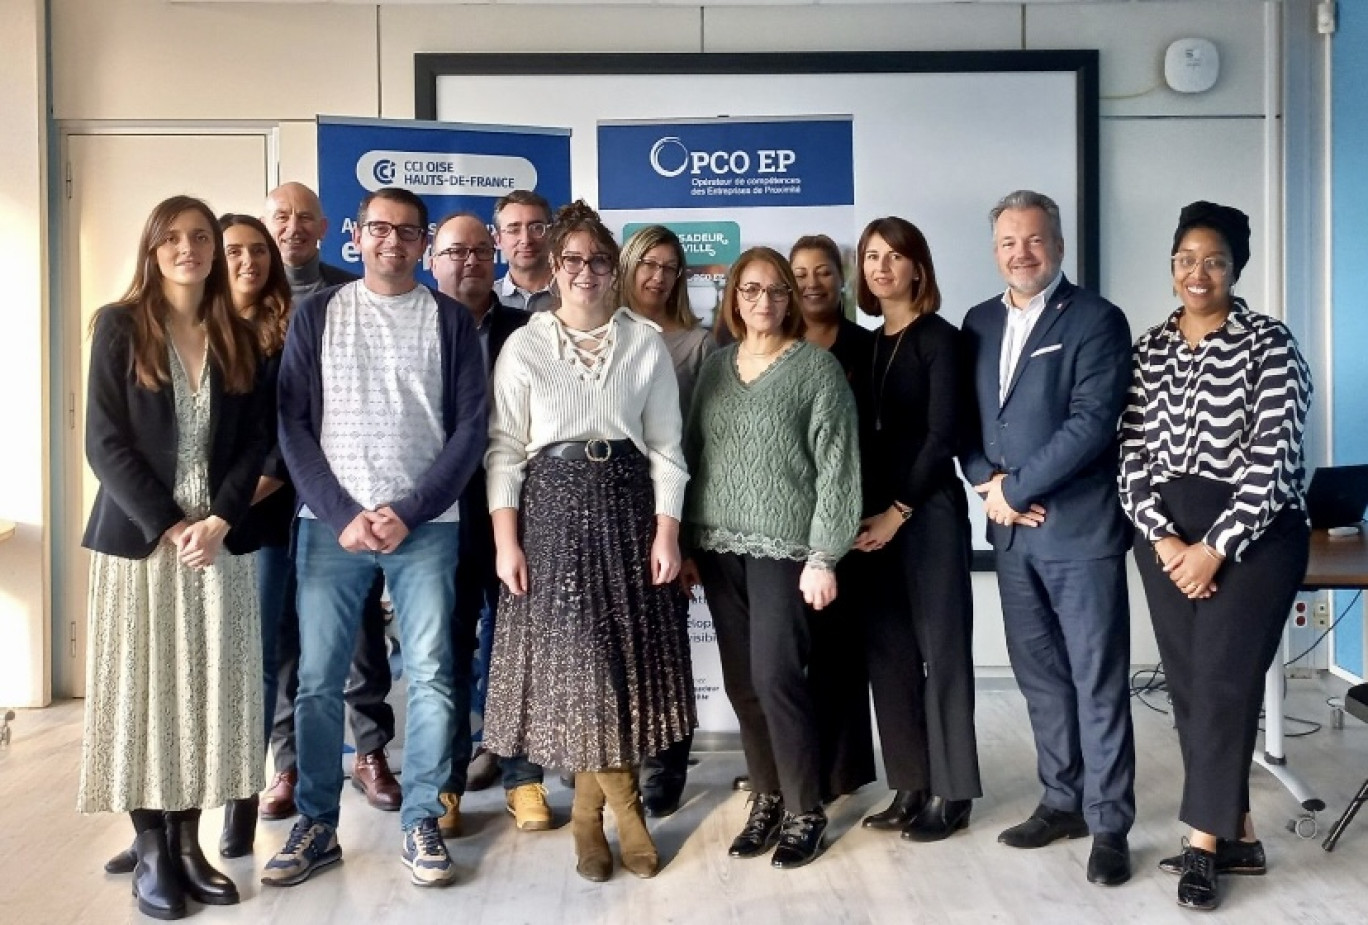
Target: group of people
540, 470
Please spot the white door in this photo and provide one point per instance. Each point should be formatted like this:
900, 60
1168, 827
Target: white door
112, 183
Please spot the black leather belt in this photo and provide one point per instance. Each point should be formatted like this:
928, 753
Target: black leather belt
596, 450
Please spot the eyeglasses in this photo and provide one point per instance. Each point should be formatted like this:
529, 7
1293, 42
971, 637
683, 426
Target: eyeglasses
666, 270
459, 253
408, 233
777, 294
534, 230
1215, 266
598, 264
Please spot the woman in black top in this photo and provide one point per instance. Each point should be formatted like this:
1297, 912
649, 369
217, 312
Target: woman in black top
177, 428
1211, 476
915, 540
836, 671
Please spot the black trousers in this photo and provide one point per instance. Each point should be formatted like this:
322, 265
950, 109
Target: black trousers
919, 615
764, 639
368, 685
839, 679
1217, 651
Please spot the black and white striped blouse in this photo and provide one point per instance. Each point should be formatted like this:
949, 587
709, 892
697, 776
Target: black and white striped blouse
1233, 409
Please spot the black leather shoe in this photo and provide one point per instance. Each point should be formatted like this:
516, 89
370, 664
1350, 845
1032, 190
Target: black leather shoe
239, 827
1241, 858
156, 881
200, 881
902, 810
762, 828
1197, 885
741, 783
800, 841
1045, 825
939, 819
661, 792
1109, 860
124, 861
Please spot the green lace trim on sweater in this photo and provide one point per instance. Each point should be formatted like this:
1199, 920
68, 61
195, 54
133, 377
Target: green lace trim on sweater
715, 539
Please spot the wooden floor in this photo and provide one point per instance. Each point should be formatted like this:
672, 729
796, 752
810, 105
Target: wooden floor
50, 857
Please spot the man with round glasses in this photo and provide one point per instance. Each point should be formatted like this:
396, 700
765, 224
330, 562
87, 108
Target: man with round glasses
520, 221
463, 264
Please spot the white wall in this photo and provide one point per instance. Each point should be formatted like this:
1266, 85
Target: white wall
145, 60
24, 615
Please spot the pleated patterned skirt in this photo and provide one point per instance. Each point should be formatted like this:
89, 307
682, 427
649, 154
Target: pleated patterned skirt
591, 667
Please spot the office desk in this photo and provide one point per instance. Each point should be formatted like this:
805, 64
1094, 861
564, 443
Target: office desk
1336, 563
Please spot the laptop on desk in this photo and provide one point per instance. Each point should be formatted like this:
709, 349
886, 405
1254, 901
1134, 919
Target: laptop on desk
1338, 496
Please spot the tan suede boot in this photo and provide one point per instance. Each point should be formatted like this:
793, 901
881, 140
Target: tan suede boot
638, 851
593, 858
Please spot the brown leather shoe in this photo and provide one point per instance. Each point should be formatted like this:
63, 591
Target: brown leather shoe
371, 775
279, 802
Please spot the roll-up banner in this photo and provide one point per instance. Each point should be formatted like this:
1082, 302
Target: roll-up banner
450, 166
724, 185
727, 184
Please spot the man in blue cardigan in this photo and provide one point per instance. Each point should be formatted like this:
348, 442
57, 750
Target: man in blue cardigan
382, 421
1051, 366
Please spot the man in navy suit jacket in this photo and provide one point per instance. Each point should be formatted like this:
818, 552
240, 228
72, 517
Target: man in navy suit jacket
1051, 365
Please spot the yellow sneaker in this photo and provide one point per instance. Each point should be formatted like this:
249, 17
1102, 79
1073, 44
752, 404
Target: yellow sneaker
450, 823
527, 803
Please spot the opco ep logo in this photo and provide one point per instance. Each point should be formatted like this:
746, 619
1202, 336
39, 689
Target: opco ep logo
670, 158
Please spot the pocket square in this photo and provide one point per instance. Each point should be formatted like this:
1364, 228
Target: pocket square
1050, 349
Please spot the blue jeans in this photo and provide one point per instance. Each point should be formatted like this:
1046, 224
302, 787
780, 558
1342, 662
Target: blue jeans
332, 588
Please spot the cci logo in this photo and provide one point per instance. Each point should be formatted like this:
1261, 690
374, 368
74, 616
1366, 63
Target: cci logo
384, 171
670, 158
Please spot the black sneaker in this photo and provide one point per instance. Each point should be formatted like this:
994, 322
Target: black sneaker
311, 846
1242, 858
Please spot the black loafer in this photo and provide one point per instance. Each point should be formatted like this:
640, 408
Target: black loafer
1197, 885
904, 808
801, 840
1241, 858
761, 831
1045, 826
1109, 860
939, 819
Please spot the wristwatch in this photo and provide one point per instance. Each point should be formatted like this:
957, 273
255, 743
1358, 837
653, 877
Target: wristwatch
903, 510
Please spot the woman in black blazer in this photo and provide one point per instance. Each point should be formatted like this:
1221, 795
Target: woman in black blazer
914, 544
178, 424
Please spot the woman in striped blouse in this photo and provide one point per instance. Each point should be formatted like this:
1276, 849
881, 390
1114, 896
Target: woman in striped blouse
1211, 475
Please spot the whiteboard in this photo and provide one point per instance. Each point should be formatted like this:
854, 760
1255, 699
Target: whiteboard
939, 136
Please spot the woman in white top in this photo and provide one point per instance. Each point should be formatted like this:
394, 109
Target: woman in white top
590, 670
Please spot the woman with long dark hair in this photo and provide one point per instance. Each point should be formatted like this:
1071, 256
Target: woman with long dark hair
1211, 476
177, 428
914, 542
590, 670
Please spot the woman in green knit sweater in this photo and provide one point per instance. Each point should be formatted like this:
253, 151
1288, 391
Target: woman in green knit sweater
773, 503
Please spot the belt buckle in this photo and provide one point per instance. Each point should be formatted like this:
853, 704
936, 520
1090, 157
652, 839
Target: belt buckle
589, 453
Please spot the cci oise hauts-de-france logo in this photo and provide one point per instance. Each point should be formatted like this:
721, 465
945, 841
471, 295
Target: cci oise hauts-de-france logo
441, 174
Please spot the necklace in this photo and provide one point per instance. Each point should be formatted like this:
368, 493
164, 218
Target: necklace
883, 381
760, 356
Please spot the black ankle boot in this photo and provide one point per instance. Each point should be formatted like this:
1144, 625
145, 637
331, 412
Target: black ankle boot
156, 883
939, 818
762, 828
801, 840
124, 861
239, 827
904, 808
200, 881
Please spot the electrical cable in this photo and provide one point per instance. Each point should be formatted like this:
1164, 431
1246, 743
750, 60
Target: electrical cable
1328, 630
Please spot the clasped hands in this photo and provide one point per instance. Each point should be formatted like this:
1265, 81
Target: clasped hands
379, 530
1192, 568
997, 509
197, 544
